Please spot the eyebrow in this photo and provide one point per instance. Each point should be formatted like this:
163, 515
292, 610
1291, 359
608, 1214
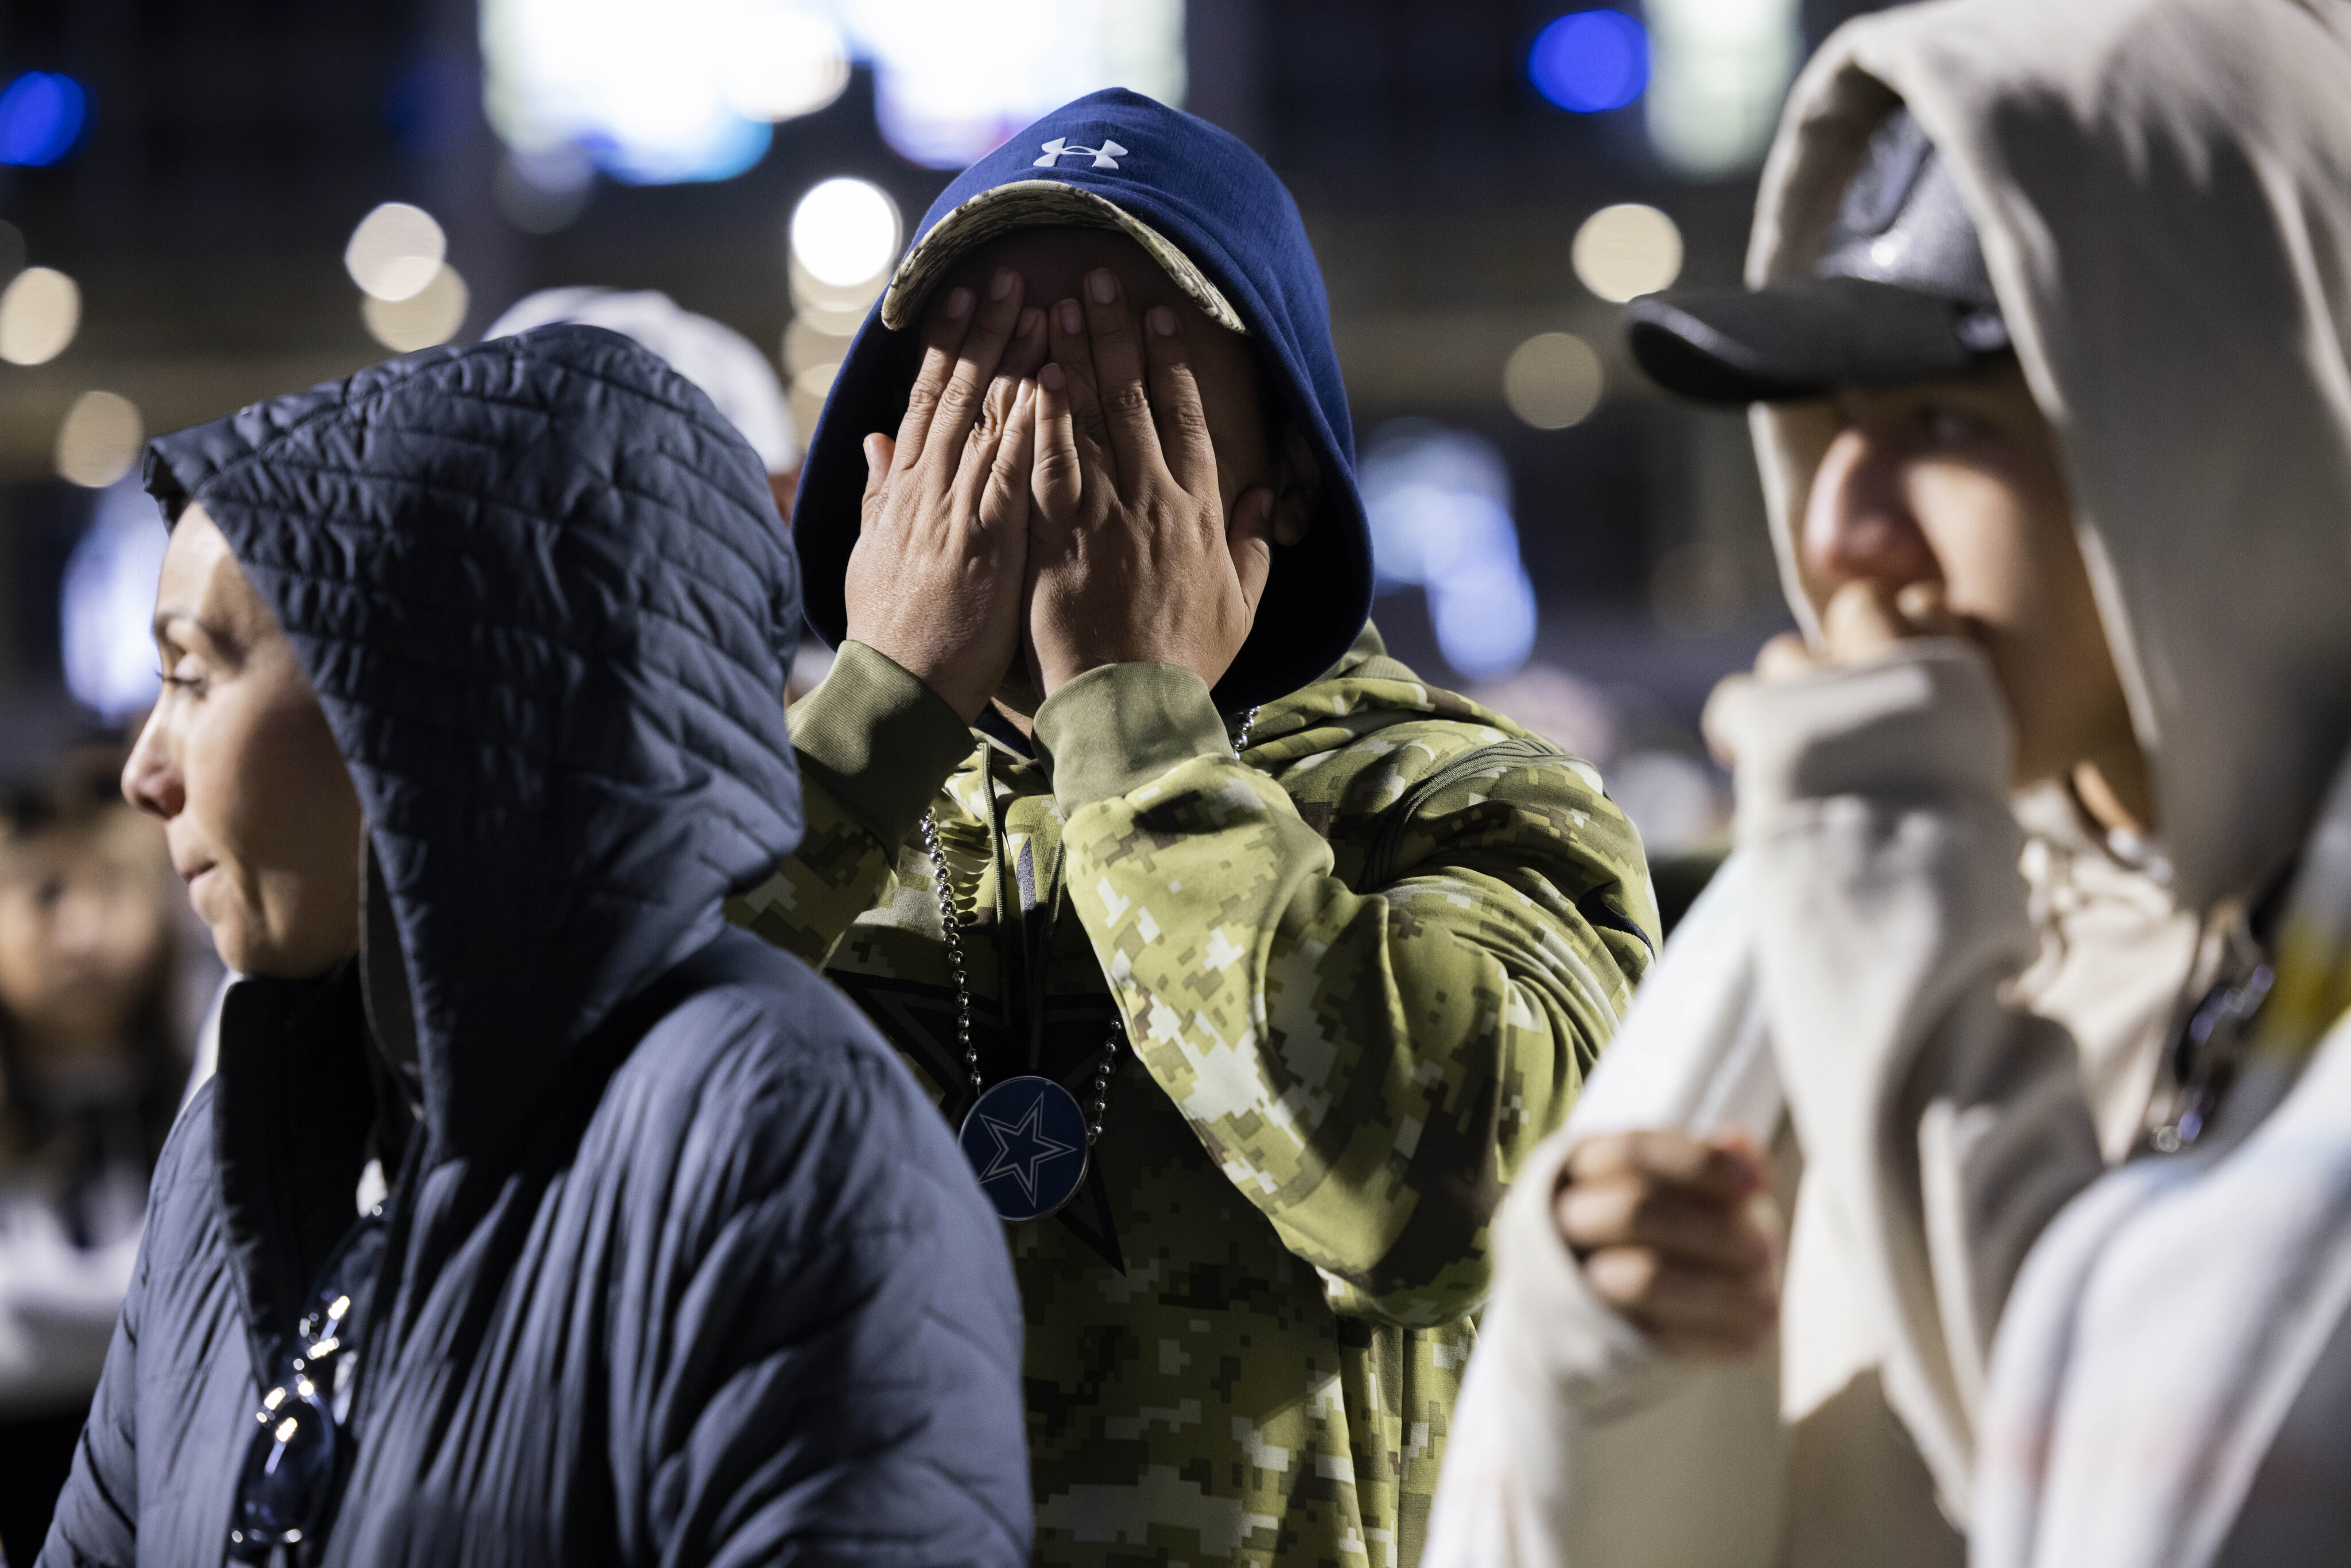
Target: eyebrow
168, 616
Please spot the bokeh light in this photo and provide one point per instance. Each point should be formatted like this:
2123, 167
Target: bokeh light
1589, 61
1627, 250
1554, 380
43, 117
664, 90
810, 386
1440, 506
647, 89
396, 252
107, 601
845, 232
428, 317
952, 79
784, 61
1721, 68
100, 439
40, 310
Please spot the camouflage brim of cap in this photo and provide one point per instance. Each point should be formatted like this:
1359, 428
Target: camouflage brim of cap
1039, 204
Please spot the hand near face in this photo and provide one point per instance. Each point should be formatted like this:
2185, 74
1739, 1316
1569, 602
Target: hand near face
935, 579
1132, 555
1862, 622
1674, 1232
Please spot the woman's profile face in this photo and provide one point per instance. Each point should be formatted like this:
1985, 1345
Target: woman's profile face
237, 759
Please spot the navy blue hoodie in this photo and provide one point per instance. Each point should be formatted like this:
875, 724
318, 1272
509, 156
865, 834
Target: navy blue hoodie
680, 1266
1204, 190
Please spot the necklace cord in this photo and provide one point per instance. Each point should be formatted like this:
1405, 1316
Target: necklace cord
951, 925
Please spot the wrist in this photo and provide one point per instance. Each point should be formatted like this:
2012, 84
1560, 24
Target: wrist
949, 678
1116, 727
1062, 666
878, 739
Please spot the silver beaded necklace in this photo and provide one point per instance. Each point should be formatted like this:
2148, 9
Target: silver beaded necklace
1018, 1135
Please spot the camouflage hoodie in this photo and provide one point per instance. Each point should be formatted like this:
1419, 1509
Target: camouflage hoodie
1364, 966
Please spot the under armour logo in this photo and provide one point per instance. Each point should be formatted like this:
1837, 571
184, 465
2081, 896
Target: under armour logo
1105, 156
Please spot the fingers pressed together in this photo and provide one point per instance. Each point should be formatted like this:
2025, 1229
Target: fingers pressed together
1132, 556
1053, 473
935, 580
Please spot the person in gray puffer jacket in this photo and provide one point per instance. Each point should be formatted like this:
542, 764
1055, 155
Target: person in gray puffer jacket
535, 1216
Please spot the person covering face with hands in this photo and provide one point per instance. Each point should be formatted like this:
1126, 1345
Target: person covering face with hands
1247, 965
1070, 448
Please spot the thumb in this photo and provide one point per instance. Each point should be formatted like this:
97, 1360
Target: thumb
1249, 537
879, 451
1860, 622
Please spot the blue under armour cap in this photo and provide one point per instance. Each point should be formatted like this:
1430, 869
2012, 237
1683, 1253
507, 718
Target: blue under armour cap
1219, 222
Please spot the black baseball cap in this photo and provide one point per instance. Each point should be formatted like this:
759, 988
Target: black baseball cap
1900, 294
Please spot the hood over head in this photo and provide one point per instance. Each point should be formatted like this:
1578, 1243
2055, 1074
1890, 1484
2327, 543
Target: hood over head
1219, 221
541, 591
2162, 189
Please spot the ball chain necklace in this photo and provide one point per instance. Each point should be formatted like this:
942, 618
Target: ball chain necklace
1021, 1135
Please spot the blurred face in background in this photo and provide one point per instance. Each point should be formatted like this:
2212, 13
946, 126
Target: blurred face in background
83, 930
237, 761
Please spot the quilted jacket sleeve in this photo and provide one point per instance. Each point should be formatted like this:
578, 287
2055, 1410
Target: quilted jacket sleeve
875, 744
1370, 1066
97, 1520
822, 1364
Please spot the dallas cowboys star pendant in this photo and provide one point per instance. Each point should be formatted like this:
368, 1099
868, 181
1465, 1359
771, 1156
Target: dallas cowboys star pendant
1025, 1140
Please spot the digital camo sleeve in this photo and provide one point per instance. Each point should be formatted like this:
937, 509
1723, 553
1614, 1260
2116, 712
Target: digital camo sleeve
875, 744
1369, 1065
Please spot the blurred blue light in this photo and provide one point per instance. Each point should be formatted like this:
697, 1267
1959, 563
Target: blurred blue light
42, 117
723, 146
1589, 61
107, 602
1439, 504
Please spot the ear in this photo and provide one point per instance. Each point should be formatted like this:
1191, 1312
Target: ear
1300, 495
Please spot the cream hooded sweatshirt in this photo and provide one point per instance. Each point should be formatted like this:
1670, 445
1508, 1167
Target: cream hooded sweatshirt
2163, 189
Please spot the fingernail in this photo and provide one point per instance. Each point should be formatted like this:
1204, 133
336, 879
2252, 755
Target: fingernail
1050, 378
1073, 320
958, 303
1020, 399
1163, 320
1030, 320
1002, 284
1102, 287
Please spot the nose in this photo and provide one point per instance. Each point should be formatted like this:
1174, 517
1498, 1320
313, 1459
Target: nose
1858, 526
151, 778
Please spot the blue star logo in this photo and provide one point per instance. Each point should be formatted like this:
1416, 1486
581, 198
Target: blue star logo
1021, 1147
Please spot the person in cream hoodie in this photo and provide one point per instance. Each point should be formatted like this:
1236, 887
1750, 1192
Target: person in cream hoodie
2048, 334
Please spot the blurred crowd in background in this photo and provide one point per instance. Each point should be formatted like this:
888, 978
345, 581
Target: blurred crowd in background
202, 204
